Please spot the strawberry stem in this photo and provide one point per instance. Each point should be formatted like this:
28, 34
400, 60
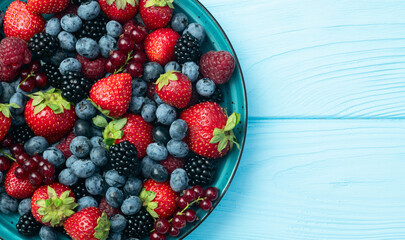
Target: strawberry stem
125, 64
8, 156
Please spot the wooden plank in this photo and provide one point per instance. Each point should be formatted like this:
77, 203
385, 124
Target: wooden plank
311, 59
315, 179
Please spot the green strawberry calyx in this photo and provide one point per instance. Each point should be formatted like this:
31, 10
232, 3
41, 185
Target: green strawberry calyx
56, 209
226, 135
105, 112
112, 131
52, 99
121, 4
103, 227
147, 200
164, 79
159, 3
5, 109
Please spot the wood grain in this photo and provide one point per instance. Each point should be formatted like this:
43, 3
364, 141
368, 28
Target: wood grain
315, 179
319, 59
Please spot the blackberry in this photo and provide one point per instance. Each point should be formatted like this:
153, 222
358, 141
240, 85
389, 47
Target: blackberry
79, 2
94, 29
27, 225
43, 45
139, 225
79, 189
74, 86
53, 74
187, 49
200, 170
21, 134
217, 97
123, 158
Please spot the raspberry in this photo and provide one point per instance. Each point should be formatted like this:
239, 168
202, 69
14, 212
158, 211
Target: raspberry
150, 93
64, 144
7, 74
217, 66
104, 207
14, 53
171, 163
70, 9
92, 69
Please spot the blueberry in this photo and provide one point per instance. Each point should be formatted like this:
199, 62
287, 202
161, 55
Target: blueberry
24, 206
97, 142
114, 28
146, 165
60, 55
1, 90
83, 168
177, 148
71, 160
118, 236
8, 204
71, 23
161, 134
139, 87
114, 197
107, 44
8, 91
36, 144
136, 104
118, 223
80, 146
148, 112
178, 129
86, 202
131, 205
190, 69
89, 10
1, 176
99, 156
67, 177
18, 120
85, 110
19, 99
96, 132
152, 71
113, 179
95, 184
179, 22
87, 48
82, 128
196, 30
157, 151
166, 114
70, 65
47, 233
53, 27
54, 156
133, 186
172, 66
179, 180
157, 99
159, 173
205, 87
67, 41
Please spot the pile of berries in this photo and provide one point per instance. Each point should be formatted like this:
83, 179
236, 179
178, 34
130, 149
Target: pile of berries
110, 121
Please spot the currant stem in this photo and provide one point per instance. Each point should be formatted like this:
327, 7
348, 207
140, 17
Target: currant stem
125, 64
32, 74
8, 156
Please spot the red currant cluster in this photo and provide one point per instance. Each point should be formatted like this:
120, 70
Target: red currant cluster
130, 56
32, 77
192, 196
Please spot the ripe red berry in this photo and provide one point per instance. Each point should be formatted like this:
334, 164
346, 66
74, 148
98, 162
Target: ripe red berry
117, 58
4, 163
191, 215
139, 57
42, 163
41, 80
174, 232
20, 173
179, 221
156, 236
137, 35
181, 202
211, 193
28, 84
134, 69
205, 204
49, 180
110, 67
25, 72
35, 178
37, 158
139, 47
125, 44
162, 226
199, 191
17, 149
189, 195
30, 165
21, 158
34, 66
7, 141
47, 170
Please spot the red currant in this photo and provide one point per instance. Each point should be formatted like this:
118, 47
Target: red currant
27, 85
137, 35
4, 163
7, 141
174, 232
21, 158
30, 165
49, 180
179, 221
35, 178
211, 193
24, 73
139, 47
41, 80
42, 163
162, 226
110, 67
37, 158
17, 149
126, 44
20, 173
156, 236
205, 204
199, 191
191, 215
181, 203
139, 56
134, 69
189, 195
48, 170
118, 58
35, 66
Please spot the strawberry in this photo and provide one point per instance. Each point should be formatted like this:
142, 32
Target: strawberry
174, 88
210, 132
47, 6
119, 10
112, 95
158, 198
132, 128
88, 224
49, 115
20, 22
17, 188
156, 13
52, 204
159, 45
5, 120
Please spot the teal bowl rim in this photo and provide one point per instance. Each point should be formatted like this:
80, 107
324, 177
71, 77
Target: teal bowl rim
242, 145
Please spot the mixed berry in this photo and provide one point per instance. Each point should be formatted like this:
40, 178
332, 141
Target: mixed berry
110, 119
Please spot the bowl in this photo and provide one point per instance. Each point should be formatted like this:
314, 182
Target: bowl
235, 101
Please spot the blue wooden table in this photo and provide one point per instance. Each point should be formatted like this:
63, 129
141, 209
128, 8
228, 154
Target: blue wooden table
325, 153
